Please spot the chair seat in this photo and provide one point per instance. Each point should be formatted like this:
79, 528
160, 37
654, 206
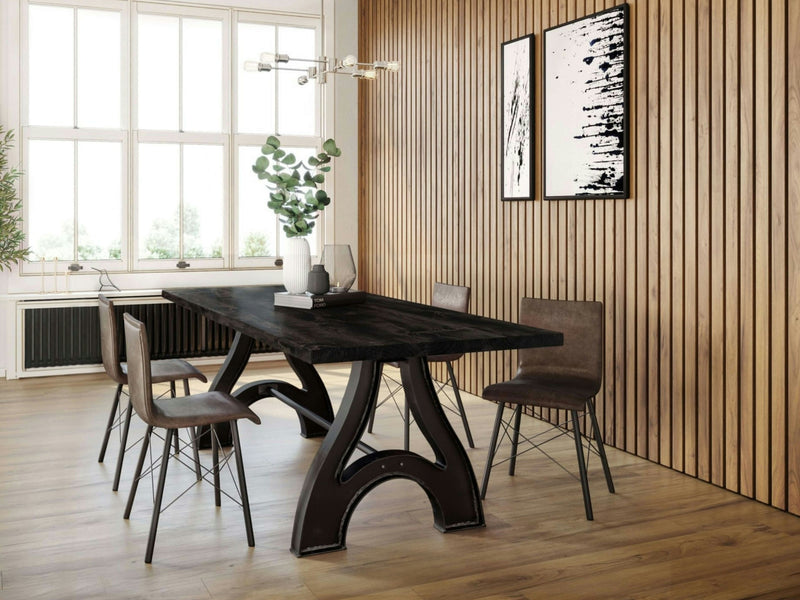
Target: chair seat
551, 392
206, 408
171, 369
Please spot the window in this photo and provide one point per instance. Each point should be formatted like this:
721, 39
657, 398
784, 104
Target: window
137, 147
266, 103
75, 139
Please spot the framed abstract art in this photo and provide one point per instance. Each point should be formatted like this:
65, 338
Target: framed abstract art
585, 107
517, 118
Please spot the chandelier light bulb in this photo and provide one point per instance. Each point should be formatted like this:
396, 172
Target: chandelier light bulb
302, 80
393, 65
267, 57
349, 61
370, 74
251, 66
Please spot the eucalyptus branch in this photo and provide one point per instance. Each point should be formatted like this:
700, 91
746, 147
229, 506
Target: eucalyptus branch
295, 195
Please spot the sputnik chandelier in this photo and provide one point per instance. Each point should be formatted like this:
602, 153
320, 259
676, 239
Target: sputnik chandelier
319, 68
322, 66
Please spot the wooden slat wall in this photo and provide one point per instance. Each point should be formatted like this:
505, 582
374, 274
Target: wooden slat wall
699, 270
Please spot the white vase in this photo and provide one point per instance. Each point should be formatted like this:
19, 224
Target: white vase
296, 265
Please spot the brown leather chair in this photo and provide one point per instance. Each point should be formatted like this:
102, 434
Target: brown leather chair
560, 377
163, 371
204, 410
452, 297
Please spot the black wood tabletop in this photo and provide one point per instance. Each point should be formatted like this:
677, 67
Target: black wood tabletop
380, 328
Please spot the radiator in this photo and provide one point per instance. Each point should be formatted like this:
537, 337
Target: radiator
58, 336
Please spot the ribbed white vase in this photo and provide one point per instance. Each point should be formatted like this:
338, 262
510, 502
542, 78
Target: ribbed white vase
296, 265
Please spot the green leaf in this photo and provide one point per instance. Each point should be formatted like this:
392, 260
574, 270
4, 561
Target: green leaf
273, 141
289, 159
267, 149
263, 175
319, 178
330, 147
325, 169
313, 161
261, 164
279, 154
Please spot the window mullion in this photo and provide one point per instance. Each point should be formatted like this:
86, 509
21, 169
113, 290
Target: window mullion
277, 83
182, 174
74, 202
75, 67
180, 74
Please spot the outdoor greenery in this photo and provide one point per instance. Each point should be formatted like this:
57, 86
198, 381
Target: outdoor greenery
11, 234
294, 184
256, 244
164, 236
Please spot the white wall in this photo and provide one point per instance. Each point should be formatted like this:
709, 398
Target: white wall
341, 220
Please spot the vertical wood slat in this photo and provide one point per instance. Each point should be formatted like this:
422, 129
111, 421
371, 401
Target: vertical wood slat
717, 231
778, 258
746, 252
793, 256
731, 264
699, 270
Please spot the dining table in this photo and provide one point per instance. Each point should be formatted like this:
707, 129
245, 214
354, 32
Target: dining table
379, 329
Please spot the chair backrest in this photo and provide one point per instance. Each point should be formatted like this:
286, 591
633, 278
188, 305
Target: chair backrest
453, 297
109, 341
581, 355
140, 386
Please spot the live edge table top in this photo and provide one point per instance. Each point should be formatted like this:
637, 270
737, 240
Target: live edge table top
380, 328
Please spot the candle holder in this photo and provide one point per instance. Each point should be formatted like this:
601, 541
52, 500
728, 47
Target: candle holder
338, 261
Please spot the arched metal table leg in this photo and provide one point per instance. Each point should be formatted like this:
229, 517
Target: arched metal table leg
313, 394
332, 491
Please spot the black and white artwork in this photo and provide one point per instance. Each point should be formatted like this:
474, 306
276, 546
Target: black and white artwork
517, 121
585, 107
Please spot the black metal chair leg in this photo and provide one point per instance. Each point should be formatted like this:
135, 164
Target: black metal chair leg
460, 404
177, 442
237, 448
601, 449
215, 468
492, 449
587, 500
123, 443
193, 437
138, 473
110, 425
195, 452
162, 476
512, 463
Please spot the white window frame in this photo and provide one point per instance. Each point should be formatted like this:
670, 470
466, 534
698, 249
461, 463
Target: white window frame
257, 139
51, 133
129, 136
182, 138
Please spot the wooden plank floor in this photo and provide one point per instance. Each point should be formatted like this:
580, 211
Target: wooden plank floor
663, 535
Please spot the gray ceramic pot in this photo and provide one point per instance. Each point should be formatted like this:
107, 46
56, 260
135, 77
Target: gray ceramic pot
318, 280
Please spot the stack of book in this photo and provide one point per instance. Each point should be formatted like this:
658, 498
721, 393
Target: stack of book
318, 300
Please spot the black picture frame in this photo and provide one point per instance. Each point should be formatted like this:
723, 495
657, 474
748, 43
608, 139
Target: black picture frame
517, 165
585, 107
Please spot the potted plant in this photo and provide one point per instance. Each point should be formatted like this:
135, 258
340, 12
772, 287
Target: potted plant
11, 235
297, 199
